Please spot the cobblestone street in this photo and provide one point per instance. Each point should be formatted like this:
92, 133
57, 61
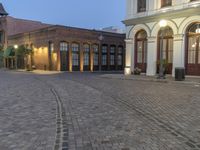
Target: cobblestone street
86, 111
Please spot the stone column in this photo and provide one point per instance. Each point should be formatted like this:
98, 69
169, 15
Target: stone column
178, 52
81, 57
129, 63
70, 57
100, 56
151, 56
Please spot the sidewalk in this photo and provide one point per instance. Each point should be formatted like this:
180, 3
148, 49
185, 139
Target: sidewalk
169, 79
42, 72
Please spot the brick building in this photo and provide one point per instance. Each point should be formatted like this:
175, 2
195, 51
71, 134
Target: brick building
62, 48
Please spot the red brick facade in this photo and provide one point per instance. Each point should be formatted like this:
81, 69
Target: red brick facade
46, 42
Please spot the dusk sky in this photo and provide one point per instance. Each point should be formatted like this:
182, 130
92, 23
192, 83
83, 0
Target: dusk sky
79, 13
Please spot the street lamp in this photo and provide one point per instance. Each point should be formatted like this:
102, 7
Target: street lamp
16, 47
163, 24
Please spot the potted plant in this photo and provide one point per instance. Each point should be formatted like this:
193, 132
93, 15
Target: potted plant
137, 71
165, 65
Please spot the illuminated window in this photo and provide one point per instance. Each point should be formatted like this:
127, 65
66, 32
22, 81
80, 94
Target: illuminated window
63, 46
112, 55
104, 55
75, 54
96, 55
86, 55
120, 56
194, 44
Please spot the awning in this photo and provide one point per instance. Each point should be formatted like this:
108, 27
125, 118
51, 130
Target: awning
9, 52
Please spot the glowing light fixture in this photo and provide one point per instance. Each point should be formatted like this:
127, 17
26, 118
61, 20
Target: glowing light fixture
163, 23
16, 46
198, 29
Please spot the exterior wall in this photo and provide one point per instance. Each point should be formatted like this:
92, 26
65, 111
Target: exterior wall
154, 7
44, 59
178, 24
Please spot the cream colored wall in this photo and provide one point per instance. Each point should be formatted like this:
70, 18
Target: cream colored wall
179, 27
154, 7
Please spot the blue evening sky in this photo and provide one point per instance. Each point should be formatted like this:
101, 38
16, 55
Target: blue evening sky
79, 13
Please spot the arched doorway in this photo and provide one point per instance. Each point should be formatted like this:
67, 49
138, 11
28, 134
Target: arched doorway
86, 56
95, 57
112, 57
141, 50
165, 43
120, 58
64, 55
75, 57
104, 57
193, 50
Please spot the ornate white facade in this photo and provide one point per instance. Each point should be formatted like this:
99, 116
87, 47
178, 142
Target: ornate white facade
181, 46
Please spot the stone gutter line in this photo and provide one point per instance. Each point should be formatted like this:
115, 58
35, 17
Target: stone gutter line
151, 79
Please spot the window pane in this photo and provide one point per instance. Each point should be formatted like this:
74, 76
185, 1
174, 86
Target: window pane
96, 55
86, 59
104, 49
141, 5
96, 59
63, 46
120, 50
86, 48
119, 60
51, 46
192, 50
170, 51
145, 51
104, 60
166, 3
112, 60
75, 54
139, 51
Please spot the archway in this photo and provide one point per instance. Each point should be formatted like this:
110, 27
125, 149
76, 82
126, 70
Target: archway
75, 57
165, 43
193, 49
141, 50
86, 57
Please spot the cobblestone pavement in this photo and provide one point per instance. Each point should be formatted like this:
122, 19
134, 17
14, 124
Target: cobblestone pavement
85, 111
27, 113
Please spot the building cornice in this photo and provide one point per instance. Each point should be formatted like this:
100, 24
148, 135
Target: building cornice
163, 15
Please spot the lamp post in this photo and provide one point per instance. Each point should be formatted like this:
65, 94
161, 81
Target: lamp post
16, 47
163, 24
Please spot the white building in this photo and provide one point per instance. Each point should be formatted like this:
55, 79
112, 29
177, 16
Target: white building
179, 40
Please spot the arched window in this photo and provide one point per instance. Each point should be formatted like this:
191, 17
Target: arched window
64, 56
141, 5
112, 55
141, 50
193, 49
75, 56
104, 55
165, 3
120, 57
96, 55
64, 46
165, 43
86, 54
